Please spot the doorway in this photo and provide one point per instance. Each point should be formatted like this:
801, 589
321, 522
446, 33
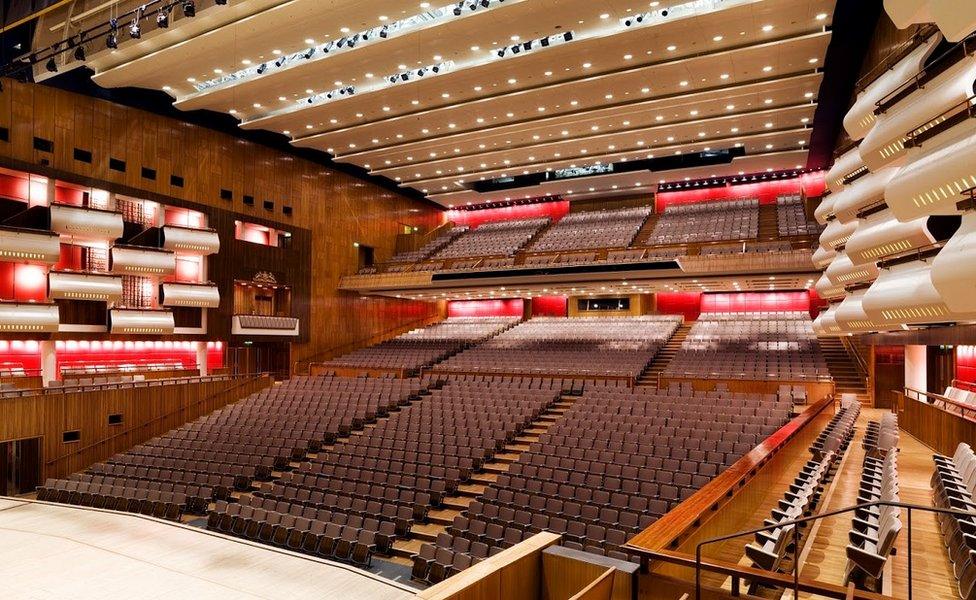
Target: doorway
261, 357
20, 466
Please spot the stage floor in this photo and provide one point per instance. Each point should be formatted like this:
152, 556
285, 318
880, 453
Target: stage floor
54, 551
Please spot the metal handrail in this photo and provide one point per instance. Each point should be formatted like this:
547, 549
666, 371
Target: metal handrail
915, 137
934, 398
934, 65
895, 56
796, 534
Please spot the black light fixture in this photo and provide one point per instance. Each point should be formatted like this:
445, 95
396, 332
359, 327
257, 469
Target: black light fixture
51, 65
135, 31
220, 2
162, 18
189, 8
80, 52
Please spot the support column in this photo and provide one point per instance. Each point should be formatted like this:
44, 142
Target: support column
916, 368
49, 362
202, 358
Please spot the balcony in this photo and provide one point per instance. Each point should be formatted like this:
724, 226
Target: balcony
86, 223
186, 240
18, 317
141, 260
27, 245
204, 295
141, 322
94, 287
265, 325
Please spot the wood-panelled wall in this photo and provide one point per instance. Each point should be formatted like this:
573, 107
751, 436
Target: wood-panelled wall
337, 208
146, 411
936, 428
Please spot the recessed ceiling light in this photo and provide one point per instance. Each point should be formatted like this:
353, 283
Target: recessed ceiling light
672, 48
821, 16
717, 38
767, 28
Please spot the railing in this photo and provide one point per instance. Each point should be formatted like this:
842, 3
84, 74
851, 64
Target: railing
247, 380
966, 411
377, 337
947, 119
935, 67
895, 56
810, 586
853, 350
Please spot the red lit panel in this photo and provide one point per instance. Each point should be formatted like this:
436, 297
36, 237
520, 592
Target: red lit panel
687, 304
813, 184
511, 307
472, 218
23, 282
549, 306
20, 354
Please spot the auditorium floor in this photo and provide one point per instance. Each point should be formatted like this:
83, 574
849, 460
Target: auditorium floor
55, 551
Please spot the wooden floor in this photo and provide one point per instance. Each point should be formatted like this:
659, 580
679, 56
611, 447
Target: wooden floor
56, 551
931, 570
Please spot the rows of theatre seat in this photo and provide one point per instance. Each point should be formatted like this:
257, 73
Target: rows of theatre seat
706, 222
585, 347
373, 487
776, 547
792, 218
753, 346
615, 462
228, 450
954, 488
423, 347
503, 238
593, 229
443, 238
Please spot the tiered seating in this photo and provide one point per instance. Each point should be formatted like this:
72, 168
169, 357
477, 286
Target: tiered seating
442, 239
881, 436
745, 248
594, 229
755, 346
791, 217
962, 396
706, 222
585, 347
616, 461
229, 448
385, 480
423, 347
503, 238
773, 549
953, 487
875, 529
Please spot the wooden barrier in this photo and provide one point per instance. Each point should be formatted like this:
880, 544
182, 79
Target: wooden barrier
738, 491
70, 379
324, 369
139, 411
600, 589
939, 422
628, 381
816, 390
27, 382
513, 574
567, 572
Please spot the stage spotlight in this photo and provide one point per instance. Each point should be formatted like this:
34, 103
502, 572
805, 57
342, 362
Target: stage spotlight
51, 65
80, 53
189, 8
135, 32
162, 18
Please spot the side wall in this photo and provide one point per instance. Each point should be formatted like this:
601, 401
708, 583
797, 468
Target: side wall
339, 209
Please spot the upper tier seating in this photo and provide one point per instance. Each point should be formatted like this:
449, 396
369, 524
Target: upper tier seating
594, 229
423, 347
230, 448
615, 462
585, 347
754, 346
442, 239
792, 219
706, 222
503, 238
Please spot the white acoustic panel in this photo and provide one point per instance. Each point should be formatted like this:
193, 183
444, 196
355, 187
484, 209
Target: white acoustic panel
38, 247
191, 241
919, 111
861, 118
904, 294
836, 234
823, 257
17, 317
141, 322
827, 289
843, 272
905, 13
956, 18
954, 268
826, 322
937, 175
191, 295
866, 191
883, 235
130, 260
84, 286
851, 316
825, 209
86, 223
847, 164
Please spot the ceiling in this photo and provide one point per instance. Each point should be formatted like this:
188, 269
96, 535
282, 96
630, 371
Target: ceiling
711, 75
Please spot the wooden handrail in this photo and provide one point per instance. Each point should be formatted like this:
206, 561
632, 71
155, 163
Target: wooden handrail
249, 379
771, 578
966, 408
666, 532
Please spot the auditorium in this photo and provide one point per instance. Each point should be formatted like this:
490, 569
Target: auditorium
488, 299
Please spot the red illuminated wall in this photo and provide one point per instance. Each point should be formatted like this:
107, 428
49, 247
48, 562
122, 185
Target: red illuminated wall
23, 282
114, 353
184, 217
966, 363
549, 306
755, 302
256, 234
14, 187
472, 218
687, 304
813, 184
511, 307
20, 353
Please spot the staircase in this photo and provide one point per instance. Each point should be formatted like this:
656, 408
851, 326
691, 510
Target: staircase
646, 230
844, 368
663, 358
768, 223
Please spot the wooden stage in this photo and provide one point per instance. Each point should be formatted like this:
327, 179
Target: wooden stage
55, 551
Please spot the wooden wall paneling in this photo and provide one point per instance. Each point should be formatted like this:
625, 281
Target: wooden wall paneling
565, 576
600, 589
933, 426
